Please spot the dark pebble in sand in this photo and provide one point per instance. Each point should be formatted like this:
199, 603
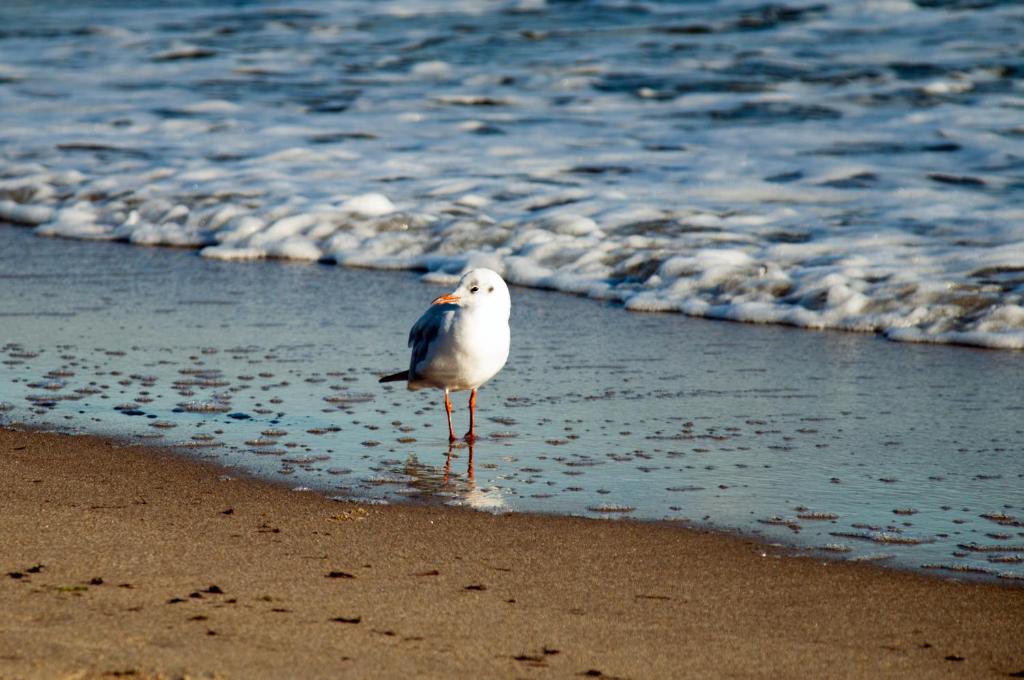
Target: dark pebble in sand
240, 416
96, 581
214, 590
954, 657
476, 586
339, 574
345, 619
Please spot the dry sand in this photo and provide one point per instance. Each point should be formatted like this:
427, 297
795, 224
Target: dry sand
119, 561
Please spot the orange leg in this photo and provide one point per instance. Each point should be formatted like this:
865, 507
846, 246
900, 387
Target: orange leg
447, 465
471, 435
448, 410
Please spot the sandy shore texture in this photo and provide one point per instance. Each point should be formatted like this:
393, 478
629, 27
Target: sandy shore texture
119, 561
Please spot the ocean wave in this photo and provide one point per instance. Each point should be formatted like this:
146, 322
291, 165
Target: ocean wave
799, 180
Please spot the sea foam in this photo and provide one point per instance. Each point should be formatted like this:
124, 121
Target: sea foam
681, 162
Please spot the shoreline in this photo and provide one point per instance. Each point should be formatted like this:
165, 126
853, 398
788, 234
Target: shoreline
778, 546
782, 434
158, 565
1004, 341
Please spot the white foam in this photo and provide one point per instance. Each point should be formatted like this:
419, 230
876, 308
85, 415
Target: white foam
617, 173
295, 248
76, 221
438, 70
572, 225
212, 106
25, 214
223, 252
369, 205
473, 201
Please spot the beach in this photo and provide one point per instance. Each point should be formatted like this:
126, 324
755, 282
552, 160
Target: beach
124, 561
761, 413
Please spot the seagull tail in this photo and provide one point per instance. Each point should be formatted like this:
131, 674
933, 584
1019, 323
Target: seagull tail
404, 375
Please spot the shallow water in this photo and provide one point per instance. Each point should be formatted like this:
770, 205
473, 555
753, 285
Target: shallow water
843, 444
848, 165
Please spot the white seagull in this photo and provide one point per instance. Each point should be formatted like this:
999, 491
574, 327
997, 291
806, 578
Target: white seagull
461, 341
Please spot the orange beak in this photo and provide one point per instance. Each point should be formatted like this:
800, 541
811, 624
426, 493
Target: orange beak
447, 299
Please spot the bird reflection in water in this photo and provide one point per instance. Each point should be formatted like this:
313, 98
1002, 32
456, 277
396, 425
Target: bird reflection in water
449, 484
469, 464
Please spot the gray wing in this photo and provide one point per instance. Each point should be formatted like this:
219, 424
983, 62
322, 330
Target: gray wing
434, 321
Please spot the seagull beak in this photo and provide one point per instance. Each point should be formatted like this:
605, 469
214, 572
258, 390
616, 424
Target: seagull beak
447, 299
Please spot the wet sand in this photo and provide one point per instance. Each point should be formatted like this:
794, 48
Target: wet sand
126, 561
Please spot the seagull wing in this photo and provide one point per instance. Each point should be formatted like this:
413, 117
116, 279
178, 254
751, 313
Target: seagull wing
435, 321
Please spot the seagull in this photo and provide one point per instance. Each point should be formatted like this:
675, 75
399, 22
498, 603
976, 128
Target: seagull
461, 341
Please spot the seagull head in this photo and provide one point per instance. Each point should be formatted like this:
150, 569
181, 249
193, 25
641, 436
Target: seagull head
479, 289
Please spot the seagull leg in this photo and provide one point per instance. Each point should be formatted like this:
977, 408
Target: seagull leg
471, 435
448, 465
448, 410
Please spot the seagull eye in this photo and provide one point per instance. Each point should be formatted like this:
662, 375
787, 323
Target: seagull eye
473, 289
491, 289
